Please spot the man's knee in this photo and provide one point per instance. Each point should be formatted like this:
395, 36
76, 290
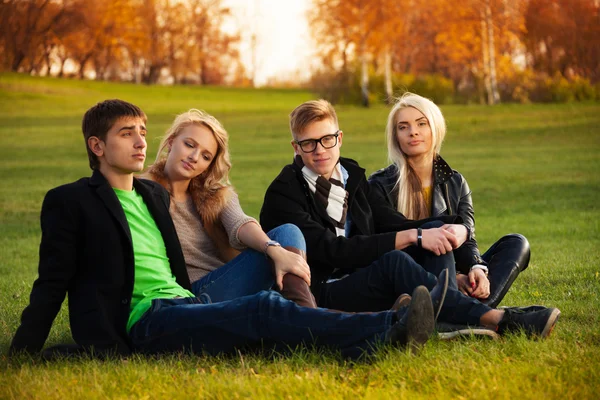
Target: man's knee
401, 265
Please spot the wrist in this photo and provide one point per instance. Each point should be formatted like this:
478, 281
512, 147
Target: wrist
469, 231
270, 247
483, 268
419, 237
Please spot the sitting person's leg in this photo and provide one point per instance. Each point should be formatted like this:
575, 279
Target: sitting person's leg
252, 271
376, 287
506, 259
267, 320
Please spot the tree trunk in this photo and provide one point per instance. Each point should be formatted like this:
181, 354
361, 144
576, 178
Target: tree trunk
486, 64
389, 94
364, 81
492, 54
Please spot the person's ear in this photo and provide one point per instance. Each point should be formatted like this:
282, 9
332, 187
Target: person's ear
96, 146
340, 135
295, 146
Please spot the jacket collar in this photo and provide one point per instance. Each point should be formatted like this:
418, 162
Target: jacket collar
355, 174
441, 170
111, 201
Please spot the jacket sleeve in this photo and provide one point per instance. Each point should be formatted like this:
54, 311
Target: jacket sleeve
287, 203
468, 254
57, 265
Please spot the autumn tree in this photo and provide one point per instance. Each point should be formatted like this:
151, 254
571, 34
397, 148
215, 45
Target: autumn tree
563, 36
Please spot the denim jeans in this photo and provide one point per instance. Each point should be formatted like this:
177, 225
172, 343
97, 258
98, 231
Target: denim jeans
248, 273
263, 320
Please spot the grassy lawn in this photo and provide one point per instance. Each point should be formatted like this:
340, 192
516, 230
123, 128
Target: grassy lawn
533, 169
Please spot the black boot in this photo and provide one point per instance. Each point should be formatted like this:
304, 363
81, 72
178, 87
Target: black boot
506, 259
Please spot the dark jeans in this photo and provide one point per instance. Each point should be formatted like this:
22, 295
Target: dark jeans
377, 287
505, 260
263, 320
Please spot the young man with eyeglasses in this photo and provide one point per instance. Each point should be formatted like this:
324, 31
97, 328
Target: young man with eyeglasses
354, 239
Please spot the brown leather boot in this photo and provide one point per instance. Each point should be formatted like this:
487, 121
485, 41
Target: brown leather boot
295, 288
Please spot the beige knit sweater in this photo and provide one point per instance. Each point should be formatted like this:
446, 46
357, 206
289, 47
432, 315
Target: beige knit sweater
200, 252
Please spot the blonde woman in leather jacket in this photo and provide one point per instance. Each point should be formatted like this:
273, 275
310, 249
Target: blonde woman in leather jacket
420, 184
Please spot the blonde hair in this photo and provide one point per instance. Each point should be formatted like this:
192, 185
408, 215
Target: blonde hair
410, 198
216, 175
309, 112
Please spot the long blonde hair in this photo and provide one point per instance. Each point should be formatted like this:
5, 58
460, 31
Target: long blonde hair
410, 198
216, 177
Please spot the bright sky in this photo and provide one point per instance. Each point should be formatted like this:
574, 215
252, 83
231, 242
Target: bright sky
283, 42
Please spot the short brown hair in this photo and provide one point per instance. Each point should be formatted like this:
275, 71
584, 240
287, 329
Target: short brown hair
99, 119
309, 112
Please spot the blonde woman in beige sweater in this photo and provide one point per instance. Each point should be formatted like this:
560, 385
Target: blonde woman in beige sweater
227, 254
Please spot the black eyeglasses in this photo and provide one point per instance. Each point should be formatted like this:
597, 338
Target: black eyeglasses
327, 141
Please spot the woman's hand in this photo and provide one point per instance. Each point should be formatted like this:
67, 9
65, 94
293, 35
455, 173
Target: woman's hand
459, 231
464, 285
287, 262
438, 240
480, 284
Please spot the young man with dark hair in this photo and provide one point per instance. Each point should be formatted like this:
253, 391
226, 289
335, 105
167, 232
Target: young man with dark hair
354, 238
109, 242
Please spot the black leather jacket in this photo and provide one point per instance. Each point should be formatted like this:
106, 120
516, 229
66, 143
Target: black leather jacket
451, 196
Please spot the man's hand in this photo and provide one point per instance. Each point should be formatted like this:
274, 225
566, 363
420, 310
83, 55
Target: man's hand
459, 231
438, 240
464, 285
287, 262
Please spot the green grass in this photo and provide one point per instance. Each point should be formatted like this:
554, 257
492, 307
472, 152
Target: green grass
533, 169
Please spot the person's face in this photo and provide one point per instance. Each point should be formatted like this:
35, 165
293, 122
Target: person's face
191, 153
413, 132
321, 161
124, 149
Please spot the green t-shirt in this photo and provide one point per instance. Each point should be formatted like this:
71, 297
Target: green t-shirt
153, 276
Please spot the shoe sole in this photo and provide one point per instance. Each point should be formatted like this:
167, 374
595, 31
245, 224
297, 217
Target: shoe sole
420, 322
402, 301
438, 307
550, 323
469, 333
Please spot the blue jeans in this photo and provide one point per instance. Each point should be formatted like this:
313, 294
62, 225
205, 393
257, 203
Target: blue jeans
248, 273
263, 320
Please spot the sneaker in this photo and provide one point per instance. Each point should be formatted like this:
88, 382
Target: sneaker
415, 324
438, 293
524, 309
447, 331
536, 321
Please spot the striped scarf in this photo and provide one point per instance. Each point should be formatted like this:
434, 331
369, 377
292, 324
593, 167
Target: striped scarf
330, 193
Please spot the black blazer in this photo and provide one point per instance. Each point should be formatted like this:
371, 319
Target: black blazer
451, 196
87, 252
373, 230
